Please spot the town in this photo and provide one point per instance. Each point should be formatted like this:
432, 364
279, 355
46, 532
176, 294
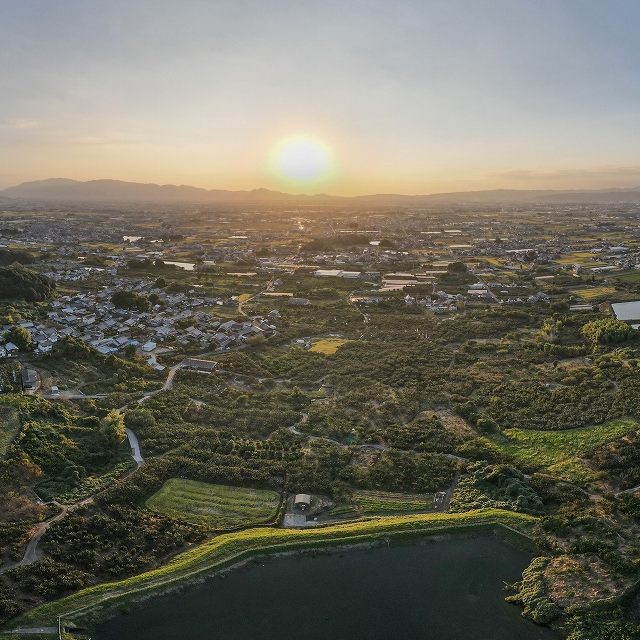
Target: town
187, 373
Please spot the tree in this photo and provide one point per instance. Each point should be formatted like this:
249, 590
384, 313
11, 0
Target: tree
457, 267
130, 351
112, 428
130, 300
20, 337
17, 282
607, 331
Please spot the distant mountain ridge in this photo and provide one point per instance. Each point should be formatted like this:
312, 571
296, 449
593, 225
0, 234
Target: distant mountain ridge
118, 191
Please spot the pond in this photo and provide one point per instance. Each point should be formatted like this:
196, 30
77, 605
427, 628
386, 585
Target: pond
444, 590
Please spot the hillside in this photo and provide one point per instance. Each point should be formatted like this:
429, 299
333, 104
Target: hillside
117, 191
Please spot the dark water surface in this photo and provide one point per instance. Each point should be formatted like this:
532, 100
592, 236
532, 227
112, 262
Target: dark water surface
446, 590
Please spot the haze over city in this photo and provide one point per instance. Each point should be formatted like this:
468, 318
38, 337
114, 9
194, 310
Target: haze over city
346, 98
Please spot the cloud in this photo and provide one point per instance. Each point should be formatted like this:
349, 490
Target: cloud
20, 123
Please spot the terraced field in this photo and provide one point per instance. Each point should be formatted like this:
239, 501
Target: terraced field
380, 502
384, 502
218, 506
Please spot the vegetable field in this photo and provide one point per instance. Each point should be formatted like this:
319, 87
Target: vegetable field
218, 506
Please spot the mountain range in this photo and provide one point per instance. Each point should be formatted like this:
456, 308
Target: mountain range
117, 191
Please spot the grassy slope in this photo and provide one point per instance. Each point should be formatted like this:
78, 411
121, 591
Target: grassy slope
558, 450
232, 547
216, 505
9, 426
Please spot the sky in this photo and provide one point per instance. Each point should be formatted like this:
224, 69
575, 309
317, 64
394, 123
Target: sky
335, 96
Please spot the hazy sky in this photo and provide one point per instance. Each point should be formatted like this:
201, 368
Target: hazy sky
410, 96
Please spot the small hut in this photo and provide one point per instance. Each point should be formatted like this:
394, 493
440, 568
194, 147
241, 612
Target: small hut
302, 501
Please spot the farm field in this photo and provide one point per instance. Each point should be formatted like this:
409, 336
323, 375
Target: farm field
558, 451
631, 278
328, 346
384, 502
595, 292
217, 506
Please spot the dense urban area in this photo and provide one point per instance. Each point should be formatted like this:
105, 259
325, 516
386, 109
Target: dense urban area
169, 375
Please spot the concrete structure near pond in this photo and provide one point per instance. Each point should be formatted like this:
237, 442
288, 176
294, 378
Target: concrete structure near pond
302, 501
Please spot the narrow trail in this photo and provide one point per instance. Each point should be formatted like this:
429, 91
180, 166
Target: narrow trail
379, 447
241, 311
451, 490
31, 553
169, 381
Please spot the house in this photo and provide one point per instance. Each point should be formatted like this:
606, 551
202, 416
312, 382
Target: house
148, 346
30, 380
195, 364
299, 302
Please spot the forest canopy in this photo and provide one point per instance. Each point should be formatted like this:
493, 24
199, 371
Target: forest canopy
21, 283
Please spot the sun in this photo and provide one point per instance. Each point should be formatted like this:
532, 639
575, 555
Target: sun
301, 159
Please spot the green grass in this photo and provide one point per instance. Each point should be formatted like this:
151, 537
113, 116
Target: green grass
557, 450
215, 505
369, 502
9, 427
226, 549
632, 278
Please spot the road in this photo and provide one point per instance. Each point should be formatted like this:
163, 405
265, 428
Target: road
135, 448
33, 631
169, 381
267, 286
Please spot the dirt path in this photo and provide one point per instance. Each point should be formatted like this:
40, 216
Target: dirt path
451, 490
31, 553
241, 311
169, 381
